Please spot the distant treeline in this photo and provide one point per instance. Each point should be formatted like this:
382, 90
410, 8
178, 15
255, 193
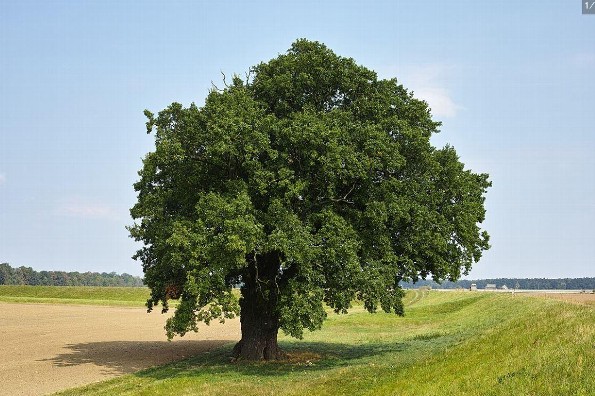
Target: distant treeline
511, 283
28, 276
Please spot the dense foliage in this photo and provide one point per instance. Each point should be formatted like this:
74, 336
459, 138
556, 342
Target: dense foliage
28, 276
311, 182
511, 283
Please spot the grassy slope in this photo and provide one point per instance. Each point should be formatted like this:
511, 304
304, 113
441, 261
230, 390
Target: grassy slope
88, 295
448, 344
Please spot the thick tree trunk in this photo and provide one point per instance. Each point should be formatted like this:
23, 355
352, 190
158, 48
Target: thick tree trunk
259, 339
258, 313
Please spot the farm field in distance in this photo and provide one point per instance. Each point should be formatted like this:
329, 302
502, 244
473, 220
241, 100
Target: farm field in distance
579, 298
82, 295
455, 343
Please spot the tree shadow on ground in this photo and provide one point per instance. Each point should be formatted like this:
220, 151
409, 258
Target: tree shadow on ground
124, 357
303, 356
187, 358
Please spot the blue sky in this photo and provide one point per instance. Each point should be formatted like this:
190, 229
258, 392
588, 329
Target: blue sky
513, 83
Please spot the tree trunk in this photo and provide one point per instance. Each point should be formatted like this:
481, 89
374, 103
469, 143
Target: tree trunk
259, 317
259, 338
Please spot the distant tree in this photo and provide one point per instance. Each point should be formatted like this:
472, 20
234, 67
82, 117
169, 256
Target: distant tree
61, 278
5, 274
18, 277
45, 278
312, 182
30, 276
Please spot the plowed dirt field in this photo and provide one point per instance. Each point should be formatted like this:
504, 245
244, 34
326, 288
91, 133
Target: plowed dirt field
46, 348
579, 298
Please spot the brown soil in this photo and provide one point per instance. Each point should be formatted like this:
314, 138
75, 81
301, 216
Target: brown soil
578, 298
47, 348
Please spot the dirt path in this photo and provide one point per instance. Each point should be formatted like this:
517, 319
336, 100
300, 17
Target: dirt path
46, 348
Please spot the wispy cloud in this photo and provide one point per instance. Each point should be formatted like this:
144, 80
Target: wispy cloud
86, 209
439, 100
429, 82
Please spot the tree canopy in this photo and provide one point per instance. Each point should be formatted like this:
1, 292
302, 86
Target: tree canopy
310, 182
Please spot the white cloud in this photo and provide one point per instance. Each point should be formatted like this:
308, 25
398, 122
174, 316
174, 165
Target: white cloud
86, 209
439, 100
429, 82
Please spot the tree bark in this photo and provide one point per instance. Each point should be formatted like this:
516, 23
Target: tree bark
259, 316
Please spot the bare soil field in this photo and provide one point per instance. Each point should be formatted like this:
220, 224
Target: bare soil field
46, 348
578, 298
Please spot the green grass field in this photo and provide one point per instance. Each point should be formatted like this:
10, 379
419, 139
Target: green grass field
86, 295
449, 343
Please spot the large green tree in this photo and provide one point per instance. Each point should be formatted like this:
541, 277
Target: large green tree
310, 182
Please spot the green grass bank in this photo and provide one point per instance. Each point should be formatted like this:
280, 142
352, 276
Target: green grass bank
449, 343
85, 295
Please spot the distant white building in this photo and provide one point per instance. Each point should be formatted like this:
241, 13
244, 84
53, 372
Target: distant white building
473, 286
491, 286
504, 287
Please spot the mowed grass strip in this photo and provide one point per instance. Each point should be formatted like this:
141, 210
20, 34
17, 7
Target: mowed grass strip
86, 295
449, 343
